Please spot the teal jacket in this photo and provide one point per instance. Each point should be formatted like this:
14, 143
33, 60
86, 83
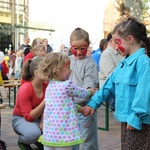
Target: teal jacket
130, 85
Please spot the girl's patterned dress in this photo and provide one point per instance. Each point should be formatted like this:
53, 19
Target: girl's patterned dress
60, 127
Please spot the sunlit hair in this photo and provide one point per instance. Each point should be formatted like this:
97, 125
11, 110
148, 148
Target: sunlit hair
20, 52
79, 34
132, 27
35, 42
39, 47
50, 63
29, 67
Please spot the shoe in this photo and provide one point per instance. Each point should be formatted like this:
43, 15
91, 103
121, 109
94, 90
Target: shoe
2, 145
24, 146
111, 109
39, 145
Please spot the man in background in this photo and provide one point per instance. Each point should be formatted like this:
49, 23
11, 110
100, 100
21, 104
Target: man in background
25, 44
108, 62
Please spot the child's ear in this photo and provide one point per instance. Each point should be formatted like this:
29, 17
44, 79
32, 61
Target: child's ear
130, 38
35, 72
55, 71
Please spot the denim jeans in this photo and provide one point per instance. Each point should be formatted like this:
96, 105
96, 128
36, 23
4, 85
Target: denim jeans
88, 129
28, 132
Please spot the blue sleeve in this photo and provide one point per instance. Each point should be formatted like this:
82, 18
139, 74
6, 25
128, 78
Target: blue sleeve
141, 102
104, 94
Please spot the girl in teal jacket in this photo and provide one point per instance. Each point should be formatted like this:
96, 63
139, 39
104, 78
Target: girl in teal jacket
129, 85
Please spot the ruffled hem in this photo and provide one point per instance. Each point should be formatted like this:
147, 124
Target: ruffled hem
60, 144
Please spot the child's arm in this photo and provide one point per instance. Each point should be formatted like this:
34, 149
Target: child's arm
80, 109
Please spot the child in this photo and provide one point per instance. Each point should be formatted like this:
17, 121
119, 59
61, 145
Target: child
18, 63
60, 124
129, 83
85, 75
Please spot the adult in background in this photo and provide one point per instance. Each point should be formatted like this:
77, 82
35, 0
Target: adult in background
48, 48
108, 62
25, 44
97, 53
35, 43
29, 106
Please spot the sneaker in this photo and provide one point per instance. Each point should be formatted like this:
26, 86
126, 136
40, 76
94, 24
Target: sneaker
39, 145
111, 109
24, 146
2, 145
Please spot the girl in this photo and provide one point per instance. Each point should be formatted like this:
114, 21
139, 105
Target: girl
18, 63
29, 106
129, 85
60, 127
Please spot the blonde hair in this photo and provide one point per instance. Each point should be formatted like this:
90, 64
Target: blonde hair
50, 63
20, 52
38, 48
80, 34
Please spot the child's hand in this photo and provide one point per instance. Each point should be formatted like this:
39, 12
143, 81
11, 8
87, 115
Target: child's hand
87, 111
41, 125
129, 127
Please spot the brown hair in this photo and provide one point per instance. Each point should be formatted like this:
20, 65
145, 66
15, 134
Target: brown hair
29, 66
79, 34
132, 27
102, 44
35, 42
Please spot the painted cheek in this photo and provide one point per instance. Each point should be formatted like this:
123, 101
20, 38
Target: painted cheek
74, 52
84, 52
121, 48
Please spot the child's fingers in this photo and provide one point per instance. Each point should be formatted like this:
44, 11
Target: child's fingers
92, 112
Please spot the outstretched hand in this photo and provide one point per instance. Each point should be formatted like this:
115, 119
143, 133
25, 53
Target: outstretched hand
87, 111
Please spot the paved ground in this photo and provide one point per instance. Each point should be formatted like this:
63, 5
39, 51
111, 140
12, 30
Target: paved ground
108, 140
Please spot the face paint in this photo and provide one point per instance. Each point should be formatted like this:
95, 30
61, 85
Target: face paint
67, 64
119, 42
82, 48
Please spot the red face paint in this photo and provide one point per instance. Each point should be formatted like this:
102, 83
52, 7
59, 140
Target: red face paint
67, 64
119, 42
83, 50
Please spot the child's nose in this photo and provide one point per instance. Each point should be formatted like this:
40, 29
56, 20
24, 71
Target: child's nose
78, 51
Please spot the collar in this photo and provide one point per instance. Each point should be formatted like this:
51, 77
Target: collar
134, 56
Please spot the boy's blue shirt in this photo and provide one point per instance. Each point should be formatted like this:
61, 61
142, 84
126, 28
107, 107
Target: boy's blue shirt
129, 84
